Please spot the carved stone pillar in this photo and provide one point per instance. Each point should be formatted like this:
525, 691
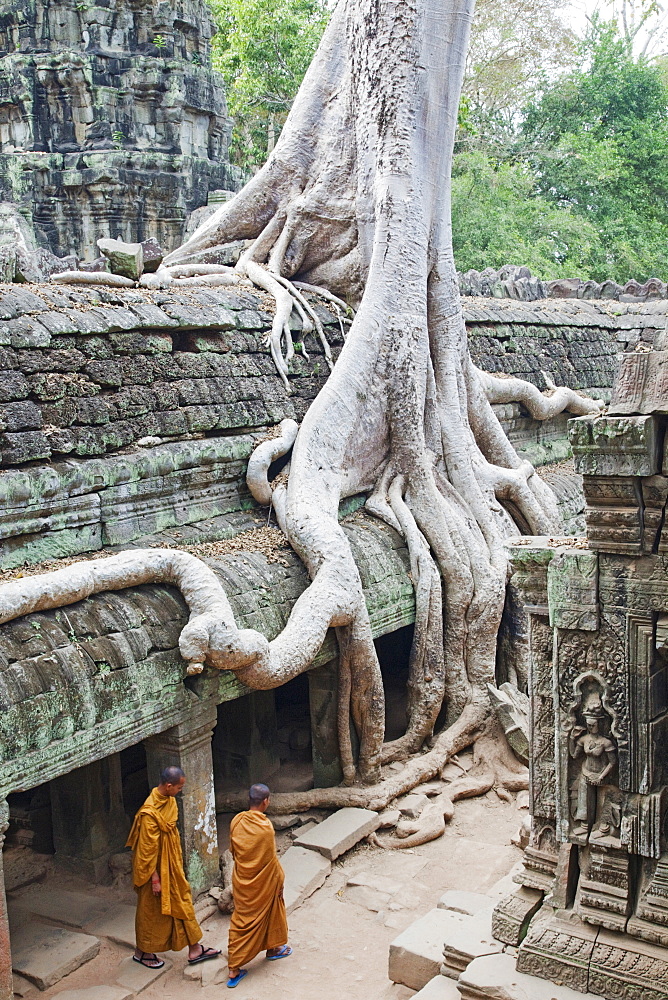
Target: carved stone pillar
6, 987
188, 746
323, 687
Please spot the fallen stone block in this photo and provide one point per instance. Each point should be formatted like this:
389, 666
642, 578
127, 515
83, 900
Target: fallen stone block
460, 901
416, 954
45, 955
496, 978
369, 899
305, 871
98, 993
439, 988
152, 254
126, 259
339, 832
388, 818
136, 977
471, 939
99, 264
75, 909
117, 924
411, 806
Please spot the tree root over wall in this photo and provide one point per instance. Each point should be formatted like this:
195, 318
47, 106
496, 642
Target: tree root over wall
355, 200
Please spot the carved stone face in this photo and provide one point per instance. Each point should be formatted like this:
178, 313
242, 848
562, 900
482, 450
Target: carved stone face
592, 723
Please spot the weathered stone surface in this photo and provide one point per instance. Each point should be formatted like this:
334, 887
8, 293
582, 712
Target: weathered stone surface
495, 977
615, 446
339, 832
380, 883
622, 966
136, 977
510, 919
512, 710
74, 909
124, 258
117, 924
152, 255
416, 954
469, 939
439, 988
305, 871
641, 385
98, 993
466, 903
45, 955
572, 589
85, 150
411, 806
560, 951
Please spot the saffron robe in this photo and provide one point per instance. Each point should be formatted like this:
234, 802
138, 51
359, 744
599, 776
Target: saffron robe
165, 922
259, 920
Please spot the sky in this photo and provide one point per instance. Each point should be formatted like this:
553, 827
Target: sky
577, 11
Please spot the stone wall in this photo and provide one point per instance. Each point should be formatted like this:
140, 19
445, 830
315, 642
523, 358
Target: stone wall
128, 415
112, 121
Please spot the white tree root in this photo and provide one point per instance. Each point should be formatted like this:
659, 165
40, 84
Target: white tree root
539, 405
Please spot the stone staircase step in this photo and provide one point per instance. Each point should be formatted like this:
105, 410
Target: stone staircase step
416, 954
75, 909
136, 977
305, 871
495, 977
471, 939
117, 924
45, 954
339, 832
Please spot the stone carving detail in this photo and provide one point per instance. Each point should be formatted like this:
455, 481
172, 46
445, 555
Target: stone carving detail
595, 799
541, 727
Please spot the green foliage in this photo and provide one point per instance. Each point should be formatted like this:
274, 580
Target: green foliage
498, 218
597, 142
263, 49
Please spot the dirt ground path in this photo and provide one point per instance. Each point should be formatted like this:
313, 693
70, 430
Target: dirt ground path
341, 934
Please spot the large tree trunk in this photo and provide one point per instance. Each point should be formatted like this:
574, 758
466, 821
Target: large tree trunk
356, 198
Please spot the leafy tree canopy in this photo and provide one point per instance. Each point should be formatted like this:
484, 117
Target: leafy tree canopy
561, 160
263, 49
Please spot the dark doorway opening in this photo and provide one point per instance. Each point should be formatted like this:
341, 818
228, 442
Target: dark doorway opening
393, 651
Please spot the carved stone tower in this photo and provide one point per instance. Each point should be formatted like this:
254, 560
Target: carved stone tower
112, 121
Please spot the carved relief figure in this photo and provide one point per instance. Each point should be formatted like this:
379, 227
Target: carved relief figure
594, 798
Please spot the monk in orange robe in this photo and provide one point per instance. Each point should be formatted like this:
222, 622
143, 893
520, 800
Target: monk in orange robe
259, 921
165, 919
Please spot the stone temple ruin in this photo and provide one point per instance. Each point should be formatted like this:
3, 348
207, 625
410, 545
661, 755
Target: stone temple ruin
112, 121
127, 419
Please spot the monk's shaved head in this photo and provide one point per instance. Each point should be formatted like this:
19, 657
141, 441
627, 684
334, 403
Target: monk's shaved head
171, 775
257, 794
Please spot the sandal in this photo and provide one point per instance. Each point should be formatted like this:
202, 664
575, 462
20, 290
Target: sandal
283, 952
146, 957
232, 982
204, 955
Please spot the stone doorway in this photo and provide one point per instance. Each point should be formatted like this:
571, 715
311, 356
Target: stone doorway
393, 652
